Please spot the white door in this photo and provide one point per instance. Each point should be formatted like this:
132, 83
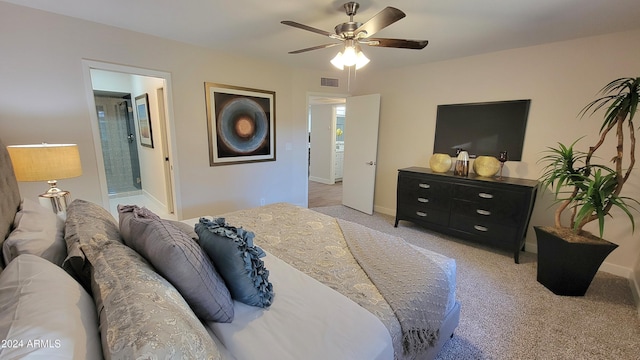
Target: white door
360, 152
165, 151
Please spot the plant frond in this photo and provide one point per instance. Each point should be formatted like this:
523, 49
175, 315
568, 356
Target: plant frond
620, 96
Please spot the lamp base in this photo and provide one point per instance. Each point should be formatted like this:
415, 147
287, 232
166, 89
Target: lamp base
56, 201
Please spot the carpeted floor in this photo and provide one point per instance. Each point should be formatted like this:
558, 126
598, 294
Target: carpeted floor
507, 314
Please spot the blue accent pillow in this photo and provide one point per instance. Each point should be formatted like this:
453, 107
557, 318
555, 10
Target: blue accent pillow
237, 260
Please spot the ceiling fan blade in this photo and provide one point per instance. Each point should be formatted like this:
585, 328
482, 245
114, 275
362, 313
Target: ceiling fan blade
306, 27
381, 20
397, 43
314, 48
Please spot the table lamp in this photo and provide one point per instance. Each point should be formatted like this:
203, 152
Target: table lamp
47, 162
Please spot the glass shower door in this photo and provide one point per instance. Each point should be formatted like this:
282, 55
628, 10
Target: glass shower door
119, 146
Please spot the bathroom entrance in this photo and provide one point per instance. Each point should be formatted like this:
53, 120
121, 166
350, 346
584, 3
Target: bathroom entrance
118, 141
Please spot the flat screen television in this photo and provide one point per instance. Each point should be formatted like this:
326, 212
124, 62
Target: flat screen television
482, 128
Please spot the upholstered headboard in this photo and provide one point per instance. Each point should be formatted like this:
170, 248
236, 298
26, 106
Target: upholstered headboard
9, 193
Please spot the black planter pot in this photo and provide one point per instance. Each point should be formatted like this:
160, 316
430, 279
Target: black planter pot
568, 267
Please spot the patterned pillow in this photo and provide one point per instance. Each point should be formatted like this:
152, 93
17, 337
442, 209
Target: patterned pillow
141, 314
232, 251
85, 221
178, 258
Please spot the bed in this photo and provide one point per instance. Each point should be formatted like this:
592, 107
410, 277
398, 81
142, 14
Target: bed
98, 287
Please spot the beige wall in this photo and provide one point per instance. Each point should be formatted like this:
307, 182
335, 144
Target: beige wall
559, 78
44, 99
322, 154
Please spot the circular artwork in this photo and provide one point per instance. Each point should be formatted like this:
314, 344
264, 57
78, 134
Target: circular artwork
242, 126
440, 163
486, 166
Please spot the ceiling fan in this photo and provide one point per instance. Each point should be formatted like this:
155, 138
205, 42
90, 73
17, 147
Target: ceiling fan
353, 33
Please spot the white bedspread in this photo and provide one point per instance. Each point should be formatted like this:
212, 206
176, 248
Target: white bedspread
306, 321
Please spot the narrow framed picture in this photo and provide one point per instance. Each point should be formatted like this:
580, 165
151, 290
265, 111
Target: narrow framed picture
144, 120
241, 124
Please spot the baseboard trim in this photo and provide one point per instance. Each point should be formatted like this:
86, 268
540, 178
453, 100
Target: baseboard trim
155, 200
321, 180
384, 210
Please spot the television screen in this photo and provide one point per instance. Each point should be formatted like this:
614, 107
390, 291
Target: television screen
482, 128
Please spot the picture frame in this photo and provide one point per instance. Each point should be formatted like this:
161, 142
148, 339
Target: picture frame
241, 124
144, 120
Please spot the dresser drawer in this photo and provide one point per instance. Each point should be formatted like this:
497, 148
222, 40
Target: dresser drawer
419, 213
491, 232
426, 193
487, 212
498, 202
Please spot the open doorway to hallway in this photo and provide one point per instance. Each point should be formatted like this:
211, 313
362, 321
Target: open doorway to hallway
326, 123
324, 195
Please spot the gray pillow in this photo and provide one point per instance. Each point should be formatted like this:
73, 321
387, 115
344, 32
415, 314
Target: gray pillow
179, 259
37, 231
86, 221
186, 228
232, 251
142, 316
41, 302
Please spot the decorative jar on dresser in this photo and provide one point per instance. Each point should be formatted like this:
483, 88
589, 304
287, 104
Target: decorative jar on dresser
480, 209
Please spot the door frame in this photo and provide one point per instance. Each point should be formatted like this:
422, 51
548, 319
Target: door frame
87, 66
309, 102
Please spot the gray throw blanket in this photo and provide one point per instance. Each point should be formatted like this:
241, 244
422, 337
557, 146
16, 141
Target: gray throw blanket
403, 280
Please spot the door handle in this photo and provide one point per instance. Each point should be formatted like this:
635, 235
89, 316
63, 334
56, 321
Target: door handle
370, 163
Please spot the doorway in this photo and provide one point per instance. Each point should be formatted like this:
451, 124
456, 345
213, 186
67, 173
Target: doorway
149, 184
118, 139
326, 114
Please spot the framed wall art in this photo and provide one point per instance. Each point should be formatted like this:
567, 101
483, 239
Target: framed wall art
144, 120
241, 124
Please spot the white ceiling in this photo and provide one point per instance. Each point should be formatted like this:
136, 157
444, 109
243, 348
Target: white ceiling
454, 28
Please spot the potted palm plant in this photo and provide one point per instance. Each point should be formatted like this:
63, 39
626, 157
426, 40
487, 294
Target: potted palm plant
568, 256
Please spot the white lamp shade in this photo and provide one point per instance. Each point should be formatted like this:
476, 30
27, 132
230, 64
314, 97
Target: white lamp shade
349, 56
44, 162
361, 60
352, 55
337, 61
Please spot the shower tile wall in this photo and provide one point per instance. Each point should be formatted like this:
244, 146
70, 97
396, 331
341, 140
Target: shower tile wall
115, 147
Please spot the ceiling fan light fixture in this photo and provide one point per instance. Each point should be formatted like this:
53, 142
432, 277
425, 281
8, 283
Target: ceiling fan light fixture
361, 60
337, 61
350, 56
354, 32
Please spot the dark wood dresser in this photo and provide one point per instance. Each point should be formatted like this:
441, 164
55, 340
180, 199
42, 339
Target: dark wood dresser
485, 210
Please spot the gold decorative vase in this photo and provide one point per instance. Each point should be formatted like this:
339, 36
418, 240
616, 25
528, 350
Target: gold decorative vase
440, 163
486, 166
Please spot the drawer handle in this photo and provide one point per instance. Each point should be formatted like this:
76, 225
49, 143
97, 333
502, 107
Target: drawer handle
483, 212
420, 213
423, 200
480, 228
485, 195
424, 186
